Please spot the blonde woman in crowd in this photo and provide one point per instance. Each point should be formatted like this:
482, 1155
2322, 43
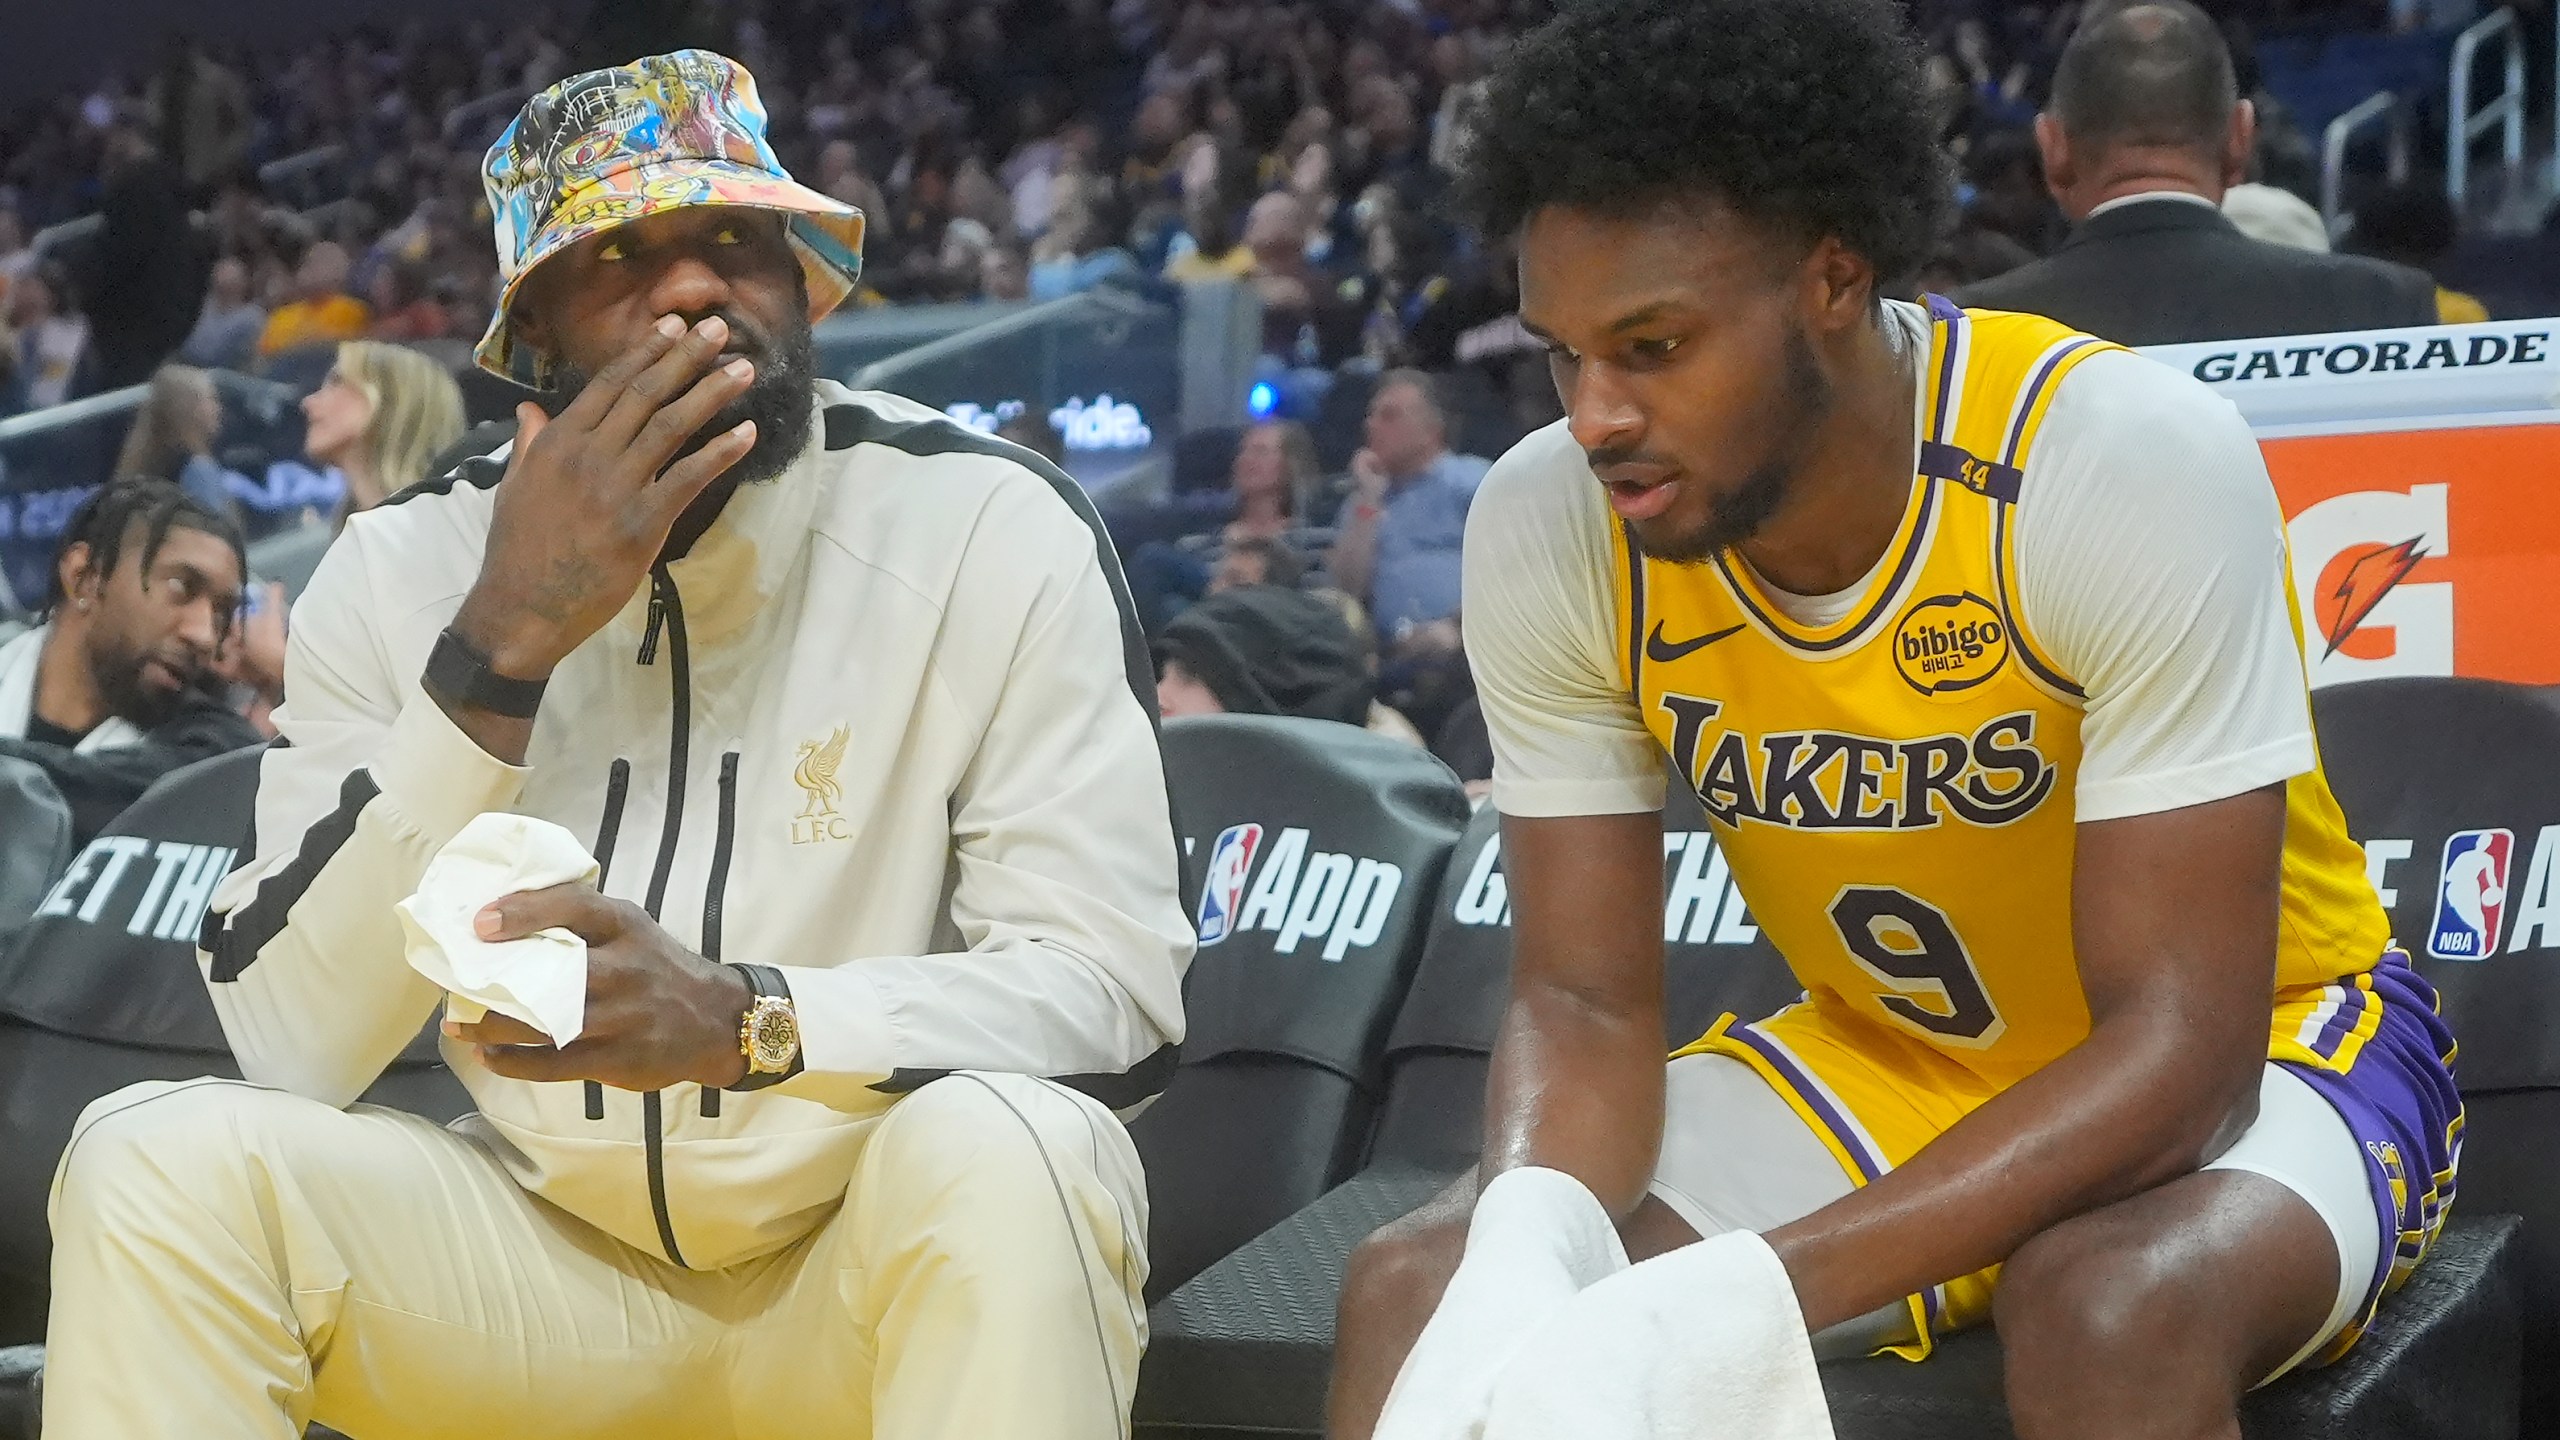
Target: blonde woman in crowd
382, 414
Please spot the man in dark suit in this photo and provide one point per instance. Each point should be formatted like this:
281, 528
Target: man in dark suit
2145, 132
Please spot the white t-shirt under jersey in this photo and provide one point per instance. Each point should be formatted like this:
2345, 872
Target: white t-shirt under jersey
2150, 566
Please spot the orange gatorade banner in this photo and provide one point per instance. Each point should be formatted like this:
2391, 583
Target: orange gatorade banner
2426, 552
2420, 475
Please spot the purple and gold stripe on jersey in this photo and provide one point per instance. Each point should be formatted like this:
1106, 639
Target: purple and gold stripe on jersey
2391, 1079
1833, 1123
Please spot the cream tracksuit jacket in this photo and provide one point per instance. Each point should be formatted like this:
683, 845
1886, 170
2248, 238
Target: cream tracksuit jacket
888, 727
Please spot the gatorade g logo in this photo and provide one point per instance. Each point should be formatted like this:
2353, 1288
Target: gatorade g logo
1948, 643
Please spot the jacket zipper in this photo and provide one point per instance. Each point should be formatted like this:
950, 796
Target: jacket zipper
617, 785
666, 611
657, 618
713, 893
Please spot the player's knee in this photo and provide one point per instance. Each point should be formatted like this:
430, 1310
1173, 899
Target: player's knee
151, 1143
2080, 1289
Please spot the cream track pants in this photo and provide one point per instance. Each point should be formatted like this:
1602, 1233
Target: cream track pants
231, 1262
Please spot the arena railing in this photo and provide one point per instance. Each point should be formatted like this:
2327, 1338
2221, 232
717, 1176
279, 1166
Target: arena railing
1105, 367
479, 121
2463, 124
299, 180
2381, 107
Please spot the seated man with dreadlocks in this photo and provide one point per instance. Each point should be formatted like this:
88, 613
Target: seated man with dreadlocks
114, 689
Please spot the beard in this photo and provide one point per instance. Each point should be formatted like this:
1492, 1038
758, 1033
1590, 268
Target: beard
779, 399
116, 668
1804, 399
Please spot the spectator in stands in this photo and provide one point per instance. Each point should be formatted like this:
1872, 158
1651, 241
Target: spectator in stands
1396, 540
2277, 216
1214, 250
1393, 296
1004, 273
1270, 485
200, 114
1972, 254
378, 420
53, 338
1081, 249
172, 438
243, 224
402, 308
1263, 650
1478, 321
835, 596
110, 692
2144, 134
2415, 225
1257, 560
1290, 286
1397, 545
145, 278
321, 310
1157, 139
227, 330
2010, 198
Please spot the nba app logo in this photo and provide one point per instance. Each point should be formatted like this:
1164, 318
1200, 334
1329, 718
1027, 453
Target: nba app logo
1230, 861
2471, 896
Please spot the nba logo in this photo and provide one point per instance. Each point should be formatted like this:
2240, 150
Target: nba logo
1222, 893
2471, 896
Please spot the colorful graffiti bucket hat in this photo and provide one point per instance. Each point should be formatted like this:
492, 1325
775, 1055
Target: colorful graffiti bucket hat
600, 150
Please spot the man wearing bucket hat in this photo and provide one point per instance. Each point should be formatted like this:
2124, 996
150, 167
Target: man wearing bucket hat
848, 705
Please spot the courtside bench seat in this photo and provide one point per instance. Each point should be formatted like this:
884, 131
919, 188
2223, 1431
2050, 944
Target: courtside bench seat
1244, 1348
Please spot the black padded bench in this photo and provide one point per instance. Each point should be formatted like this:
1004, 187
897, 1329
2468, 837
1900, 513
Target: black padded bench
1244, 1348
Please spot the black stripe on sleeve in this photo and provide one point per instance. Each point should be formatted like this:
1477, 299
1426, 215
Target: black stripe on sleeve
235, 944
851, 425
848, 425
1117, 1091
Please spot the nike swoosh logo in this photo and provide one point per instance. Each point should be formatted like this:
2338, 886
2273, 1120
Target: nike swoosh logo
1660, 653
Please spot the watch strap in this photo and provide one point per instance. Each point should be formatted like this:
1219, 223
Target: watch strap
767, 983
457, 671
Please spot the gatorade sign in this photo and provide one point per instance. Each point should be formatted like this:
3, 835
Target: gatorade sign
2417, 470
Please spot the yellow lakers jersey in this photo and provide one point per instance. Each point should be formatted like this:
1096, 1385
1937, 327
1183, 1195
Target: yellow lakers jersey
1894, 791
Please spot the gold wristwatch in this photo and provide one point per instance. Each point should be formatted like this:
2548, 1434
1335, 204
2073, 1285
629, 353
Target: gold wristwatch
769, 1033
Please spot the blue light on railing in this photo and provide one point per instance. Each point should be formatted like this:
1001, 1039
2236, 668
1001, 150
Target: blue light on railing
1261, 400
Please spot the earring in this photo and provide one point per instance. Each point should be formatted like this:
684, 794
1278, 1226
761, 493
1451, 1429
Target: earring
84, 604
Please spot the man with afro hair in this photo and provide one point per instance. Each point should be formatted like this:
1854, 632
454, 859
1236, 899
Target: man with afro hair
1973, 636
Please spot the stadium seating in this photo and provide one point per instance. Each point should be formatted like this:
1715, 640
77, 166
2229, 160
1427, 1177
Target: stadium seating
1319, 848
1244, 1348
102, 990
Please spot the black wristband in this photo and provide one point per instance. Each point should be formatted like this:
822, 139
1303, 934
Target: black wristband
457, 671
765, 981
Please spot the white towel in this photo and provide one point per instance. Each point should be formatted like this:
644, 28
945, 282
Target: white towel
1537, 1238
1546, 1331
540, 979
1704, 1341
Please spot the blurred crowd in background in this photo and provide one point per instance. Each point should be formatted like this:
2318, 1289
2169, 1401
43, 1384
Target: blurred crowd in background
1002, 148
233, 208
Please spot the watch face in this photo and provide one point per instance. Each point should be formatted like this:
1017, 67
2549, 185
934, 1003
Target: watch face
776, 1039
